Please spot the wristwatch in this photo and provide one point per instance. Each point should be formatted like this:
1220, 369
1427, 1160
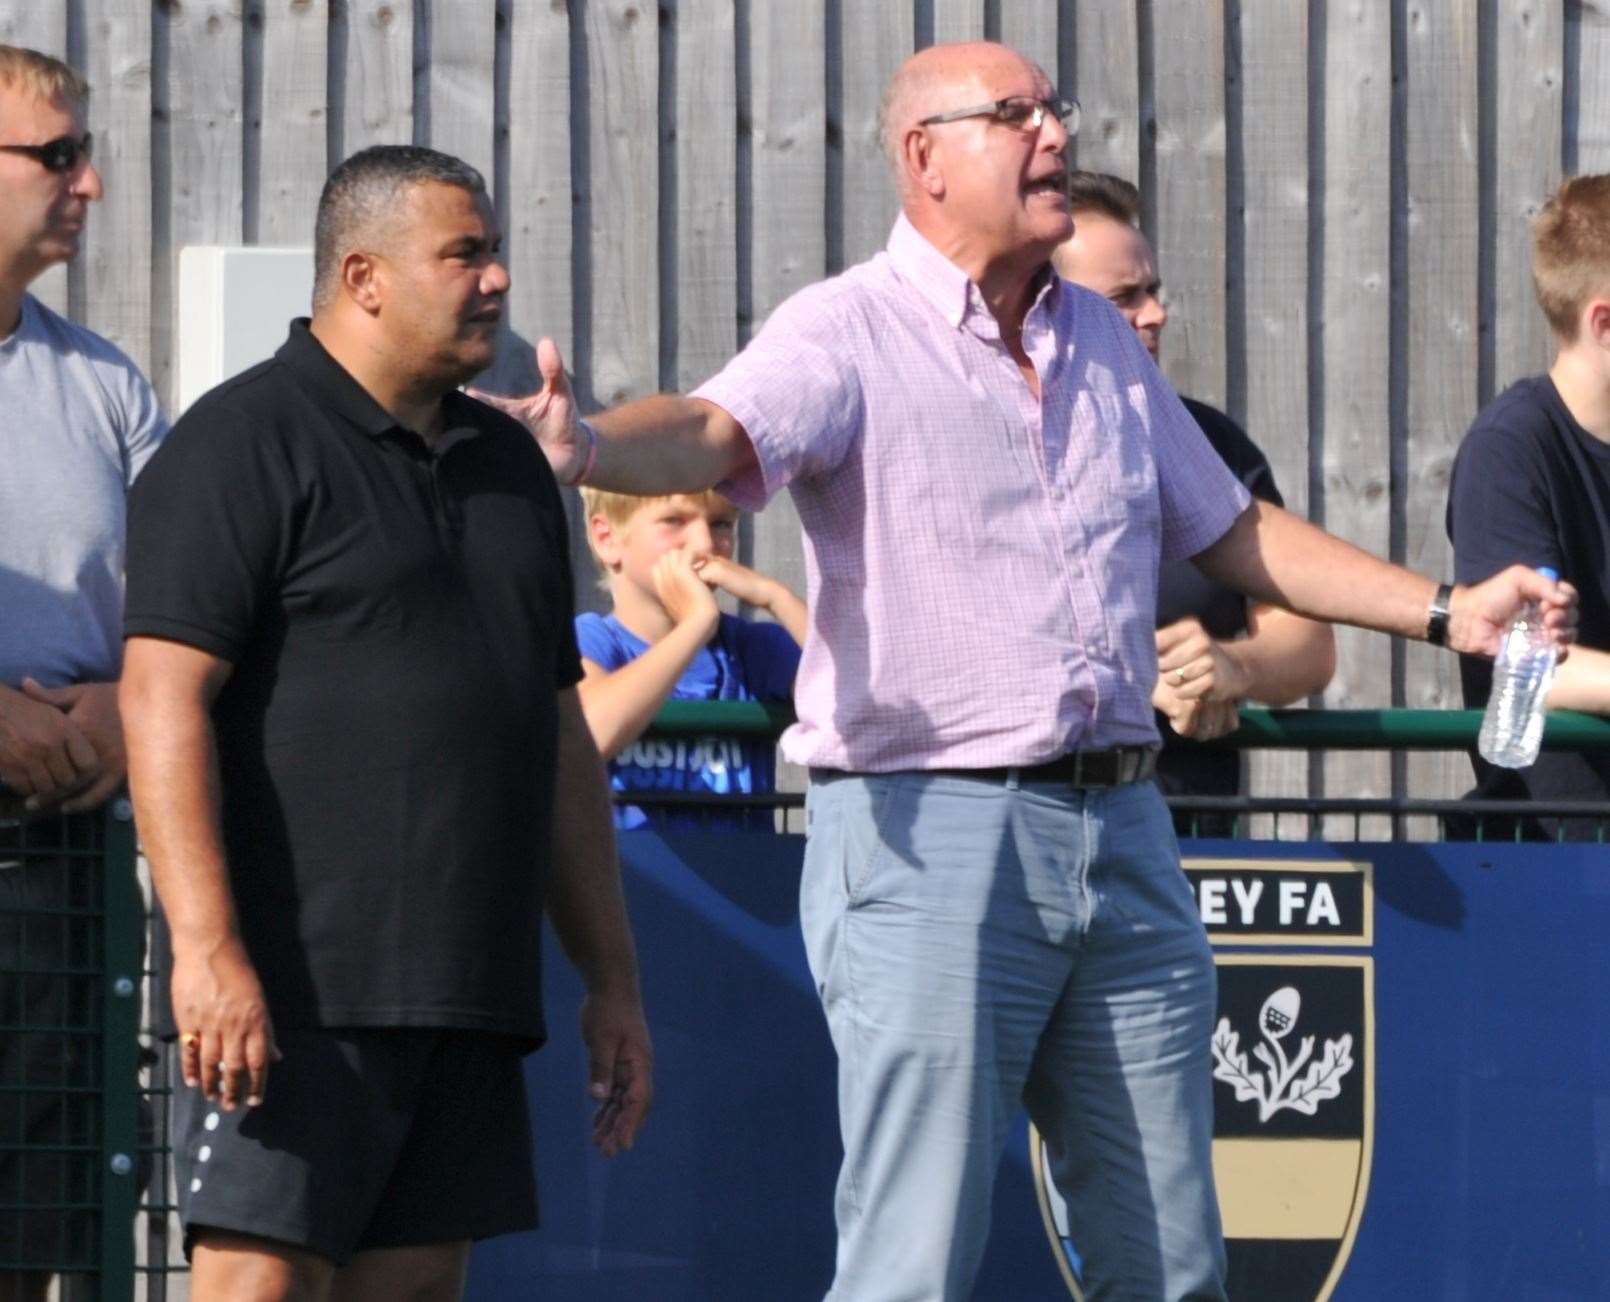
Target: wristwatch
1437, 616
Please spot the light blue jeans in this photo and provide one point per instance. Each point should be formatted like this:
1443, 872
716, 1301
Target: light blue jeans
978, 946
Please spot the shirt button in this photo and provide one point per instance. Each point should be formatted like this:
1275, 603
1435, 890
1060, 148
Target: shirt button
1093, 649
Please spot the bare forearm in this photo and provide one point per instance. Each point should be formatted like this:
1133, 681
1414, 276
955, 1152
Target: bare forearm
173, 779
620, 705
1279, 558
585, 903
789, 611
667, 444
1582, 682
1284, 656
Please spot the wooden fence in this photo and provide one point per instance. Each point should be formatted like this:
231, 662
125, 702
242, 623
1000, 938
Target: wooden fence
1338, 189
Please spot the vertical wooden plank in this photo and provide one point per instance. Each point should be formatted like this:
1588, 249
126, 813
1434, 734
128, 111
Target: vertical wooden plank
1529, 40
1106, 47
1353, 358
206, 123
706, 206
117, 241
877, 39
1442, 346
958, 20
541, 221
378, 73
539, 237
293, 163
1190, 193
1030, 28
623, 54
1591, 128
789, 177
41, 27
1274, 89
463, 40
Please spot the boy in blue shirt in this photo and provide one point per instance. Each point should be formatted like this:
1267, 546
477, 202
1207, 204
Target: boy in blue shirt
666, 639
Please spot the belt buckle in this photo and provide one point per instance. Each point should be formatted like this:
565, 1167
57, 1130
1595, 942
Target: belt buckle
1084, 764
1113, 767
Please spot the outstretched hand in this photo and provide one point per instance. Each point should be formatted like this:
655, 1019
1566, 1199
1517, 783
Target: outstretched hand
1479, 613
549, 413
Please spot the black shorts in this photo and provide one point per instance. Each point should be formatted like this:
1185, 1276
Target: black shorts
366, 1139
49, 1025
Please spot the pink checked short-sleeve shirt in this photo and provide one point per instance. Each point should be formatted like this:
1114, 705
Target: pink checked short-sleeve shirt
981, 565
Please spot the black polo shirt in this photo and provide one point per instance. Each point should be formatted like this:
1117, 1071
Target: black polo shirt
398, 623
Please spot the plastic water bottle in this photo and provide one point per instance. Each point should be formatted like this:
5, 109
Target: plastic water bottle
1512, 729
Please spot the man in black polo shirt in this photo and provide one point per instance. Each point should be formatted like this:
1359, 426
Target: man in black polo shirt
361, 773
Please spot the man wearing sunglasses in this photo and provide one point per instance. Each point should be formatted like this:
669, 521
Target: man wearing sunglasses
988, 467
77, 423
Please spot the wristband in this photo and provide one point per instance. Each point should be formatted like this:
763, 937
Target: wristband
1437, 616
580, 477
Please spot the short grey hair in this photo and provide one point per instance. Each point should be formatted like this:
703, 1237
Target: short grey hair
364, 195
910, 83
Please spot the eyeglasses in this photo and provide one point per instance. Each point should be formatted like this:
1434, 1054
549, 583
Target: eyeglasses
63, 154
1022, 112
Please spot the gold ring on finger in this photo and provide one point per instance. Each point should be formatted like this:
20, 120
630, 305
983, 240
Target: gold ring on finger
190, 1039
1179, 677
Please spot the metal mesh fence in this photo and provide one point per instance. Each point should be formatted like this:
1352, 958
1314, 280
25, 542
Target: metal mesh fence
73, 1151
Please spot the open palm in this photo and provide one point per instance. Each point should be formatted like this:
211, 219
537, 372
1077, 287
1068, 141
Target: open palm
549, 413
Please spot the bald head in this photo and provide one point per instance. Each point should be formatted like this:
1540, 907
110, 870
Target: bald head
936, 80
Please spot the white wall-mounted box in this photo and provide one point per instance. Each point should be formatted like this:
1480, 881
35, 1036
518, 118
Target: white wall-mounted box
235, 304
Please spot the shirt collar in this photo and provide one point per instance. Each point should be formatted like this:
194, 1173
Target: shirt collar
946, 285
929, 271
349, 400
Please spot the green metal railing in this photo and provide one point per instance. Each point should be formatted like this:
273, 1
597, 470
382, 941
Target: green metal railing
120, 1154
1275, 729
1299, 729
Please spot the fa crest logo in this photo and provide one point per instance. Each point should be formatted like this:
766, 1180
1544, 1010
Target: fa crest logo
1293, 1069
1280, 1088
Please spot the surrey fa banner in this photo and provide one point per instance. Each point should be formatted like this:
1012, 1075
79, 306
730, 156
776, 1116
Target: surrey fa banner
1293, 1054
1410, 1064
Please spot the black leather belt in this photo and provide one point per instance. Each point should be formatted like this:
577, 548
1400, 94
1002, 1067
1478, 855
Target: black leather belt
1112, 767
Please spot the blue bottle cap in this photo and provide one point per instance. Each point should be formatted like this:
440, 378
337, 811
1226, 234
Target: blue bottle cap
1549, 573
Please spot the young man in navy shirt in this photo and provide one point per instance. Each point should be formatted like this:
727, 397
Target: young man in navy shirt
1531, 483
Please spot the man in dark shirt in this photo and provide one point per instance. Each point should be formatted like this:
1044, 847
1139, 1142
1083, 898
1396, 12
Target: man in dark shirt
1214, 646
361, 771
1531, 483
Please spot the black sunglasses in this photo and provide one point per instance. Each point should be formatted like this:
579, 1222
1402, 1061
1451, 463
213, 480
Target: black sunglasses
63, 154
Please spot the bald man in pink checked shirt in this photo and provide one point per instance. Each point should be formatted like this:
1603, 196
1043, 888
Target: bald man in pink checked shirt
988, 466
